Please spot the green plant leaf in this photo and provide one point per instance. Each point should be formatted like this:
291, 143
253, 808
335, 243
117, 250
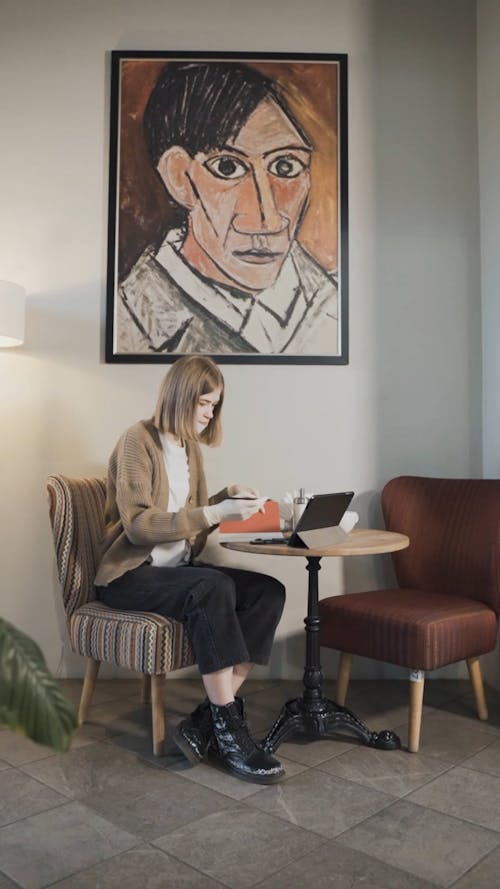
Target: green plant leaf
31, 701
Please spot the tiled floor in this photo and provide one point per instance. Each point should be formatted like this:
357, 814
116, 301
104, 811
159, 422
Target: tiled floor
107, 814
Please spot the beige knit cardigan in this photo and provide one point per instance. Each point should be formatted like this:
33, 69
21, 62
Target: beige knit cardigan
136, 501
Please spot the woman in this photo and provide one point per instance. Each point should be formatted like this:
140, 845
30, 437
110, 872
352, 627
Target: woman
158, 516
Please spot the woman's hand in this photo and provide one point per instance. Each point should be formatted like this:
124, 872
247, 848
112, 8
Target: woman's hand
244, 491
233, 510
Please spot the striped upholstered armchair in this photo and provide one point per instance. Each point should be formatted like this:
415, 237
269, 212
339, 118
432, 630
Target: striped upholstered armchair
140, 641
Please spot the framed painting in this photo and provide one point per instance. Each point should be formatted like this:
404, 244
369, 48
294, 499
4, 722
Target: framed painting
228, 213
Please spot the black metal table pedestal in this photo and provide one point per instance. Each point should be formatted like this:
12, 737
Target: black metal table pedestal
312, 716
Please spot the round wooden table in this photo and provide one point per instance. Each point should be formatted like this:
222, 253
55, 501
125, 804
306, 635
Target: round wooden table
312, 715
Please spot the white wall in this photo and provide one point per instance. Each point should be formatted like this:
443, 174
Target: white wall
488, 91
409, 401
488, 102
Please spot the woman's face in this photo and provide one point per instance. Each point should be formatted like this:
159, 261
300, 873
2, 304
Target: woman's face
204, 410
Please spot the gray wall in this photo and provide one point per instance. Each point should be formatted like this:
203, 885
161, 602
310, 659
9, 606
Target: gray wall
410, 399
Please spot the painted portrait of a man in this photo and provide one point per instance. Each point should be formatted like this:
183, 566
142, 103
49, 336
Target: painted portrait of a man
229, 244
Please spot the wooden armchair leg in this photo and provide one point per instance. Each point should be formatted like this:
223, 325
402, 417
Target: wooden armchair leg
417, 680
343, 675
476, 678
88, 688
158, 713
146, 689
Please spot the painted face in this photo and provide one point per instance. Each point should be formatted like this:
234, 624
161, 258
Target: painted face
204, 410
248, 201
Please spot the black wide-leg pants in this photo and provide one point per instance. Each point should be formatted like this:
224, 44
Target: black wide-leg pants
230, 614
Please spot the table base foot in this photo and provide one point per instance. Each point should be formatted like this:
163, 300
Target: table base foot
321, 719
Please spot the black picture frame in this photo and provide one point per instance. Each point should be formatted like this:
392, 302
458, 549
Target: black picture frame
150, 316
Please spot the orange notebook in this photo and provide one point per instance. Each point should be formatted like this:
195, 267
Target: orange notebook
257, 525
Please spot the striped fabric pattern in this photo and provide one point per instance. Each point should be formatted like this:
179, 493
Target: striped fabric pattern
410, 628
144, 642
446, 606
454, 530
77, 519
140, 641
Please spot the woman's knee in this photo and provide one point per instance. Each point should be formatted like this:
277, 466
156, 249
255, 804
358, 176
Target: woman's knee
213, 591
275, 593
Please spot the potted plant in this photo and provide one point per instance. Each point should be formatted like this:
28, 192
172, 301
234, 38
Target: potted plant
31, 701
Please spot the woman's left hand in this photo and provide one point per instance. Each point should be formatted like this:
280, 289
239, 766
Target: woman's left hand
243, 491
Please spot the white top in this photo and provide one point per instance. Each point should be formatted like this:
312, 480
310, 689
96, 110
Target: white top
177, 468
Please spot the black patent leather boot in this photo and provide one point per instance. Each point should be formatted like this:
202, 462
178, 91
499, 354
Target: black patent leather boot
194, 733
237, 751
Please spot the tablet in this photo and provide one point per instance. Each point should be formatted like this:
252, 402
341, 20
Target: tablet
318, 524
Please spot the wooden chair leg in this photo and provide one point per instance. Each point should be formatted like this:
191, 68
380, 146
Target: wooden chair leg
476, 678
417, 680
88, 688
146, 689
343, 675
158, 713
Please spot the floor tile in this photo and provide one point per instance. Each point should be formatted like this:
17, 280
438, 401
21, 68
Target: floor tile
428, 844
5, 883
382, 719
448, 736
122, 688
21, 796
263, 686
275, 695
320, 802
464, 708
60, 842
120, 715
183, 695
487, 760
464, 793
146, 867
395, 772
333, 866
90, 732
374, 695
214, 776
104, 689
454, 688
310, 753
346, 798
239, 847
152, 812
142, 798
260, 718
484, 875
139, 740
95, 768
387, 708
15, 749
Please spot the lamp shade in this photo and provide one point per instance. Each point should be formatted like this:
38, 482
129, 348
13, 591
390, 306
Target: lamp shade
12, 306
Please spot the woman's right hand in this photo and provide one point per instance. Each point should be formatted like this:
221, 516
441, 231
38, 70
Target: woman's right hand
245, 491
231, 511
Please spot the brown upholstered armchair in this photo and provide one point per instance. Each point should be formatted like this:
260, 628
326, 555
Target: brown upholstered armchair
445, 608
141, 641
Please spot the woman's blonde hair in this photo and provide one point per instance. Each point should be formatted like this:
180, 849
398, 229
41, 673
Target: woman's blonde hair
188, 379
